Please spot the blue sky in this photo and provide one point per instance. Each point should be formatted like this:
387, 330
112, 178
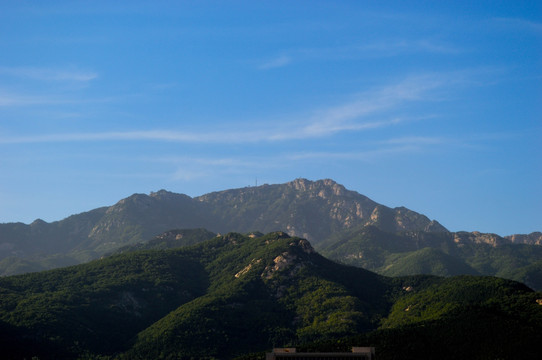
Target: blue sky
431, 105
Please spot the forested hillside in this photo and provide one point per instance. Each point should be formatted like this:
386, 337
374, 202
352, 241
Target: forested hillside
233, 295
443, 254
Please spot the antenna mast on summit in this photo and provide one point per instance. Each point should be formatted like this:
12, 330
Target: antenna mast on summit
256, 182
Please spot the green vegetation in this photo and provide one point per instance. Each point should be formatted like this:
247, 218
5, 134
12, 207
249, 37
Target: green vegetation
425, 261
451, 294
462, 317
343, 225
99, 306
415, 252
234, 295
170, 240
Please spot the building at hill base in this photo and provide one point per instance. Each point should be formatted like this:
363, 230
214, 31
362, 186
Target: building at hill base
358, 353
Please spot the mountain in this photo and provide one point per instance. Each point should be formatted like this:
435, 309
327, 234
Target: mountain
534, 238
237, 294
426, 261
170, 239
311, 209
449, 319
442, 253
342, 224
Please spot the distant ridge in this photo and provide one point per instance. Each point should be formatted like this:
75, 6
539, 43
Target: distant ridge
343, 224
310, 209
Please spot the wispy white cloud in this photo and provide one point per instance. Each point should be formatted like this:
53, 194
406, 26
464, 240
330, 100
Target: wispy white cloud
365, 111
417, 140
189, 169
49, 74
359, 113
10, 99
381, 49
153, 135
392, 47
352, 155
437, 47
277, 62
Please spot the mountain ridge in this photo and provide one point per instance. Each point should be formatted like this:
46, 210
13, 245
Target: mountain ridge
174, 210
319, 211
298, 184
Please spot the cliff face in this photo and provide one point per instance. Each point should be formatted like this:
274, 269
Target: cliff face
534, 238
476, 237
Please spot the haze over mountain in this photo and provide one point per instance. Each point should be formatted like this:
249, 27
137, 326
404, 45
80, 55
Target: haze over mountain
343, 224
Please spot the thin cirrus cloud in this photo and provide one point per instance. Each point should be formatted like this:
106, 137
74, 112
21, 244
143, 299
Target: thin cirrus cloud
384, 48
423, 45
156, 135
352, 116
10, 99
192, 169
417, 140
357, 114
364, 155
277, 62
48, 74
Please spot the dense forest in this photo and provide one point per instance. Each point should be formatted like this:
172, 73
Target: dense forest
240, 295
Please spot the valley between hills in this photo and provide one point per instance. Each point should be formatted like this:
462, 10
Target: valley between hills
234, 273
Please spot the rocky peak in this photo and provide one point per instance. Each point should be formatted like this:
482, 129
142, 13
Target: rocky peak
137, 200
402, 219
534, 238
300, 184
161, 193
304, 245
38, 223
476, 237
168, 195
286, 261
324, 188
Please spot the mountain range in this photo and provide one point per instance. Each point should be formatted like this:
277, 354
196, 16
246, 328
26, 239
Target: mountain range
341, 224
237, 296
